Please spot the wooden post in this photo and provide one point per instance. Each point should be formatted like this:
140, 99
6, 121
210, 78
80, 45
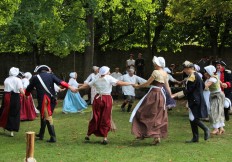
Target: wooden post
30, 137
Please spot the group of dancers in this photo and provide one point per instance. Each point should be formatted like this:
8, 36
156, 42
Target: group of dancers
149, 118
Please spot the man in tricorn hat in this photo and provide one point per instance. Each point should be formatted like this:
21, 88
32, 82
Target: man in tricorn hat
44, 84
225, 77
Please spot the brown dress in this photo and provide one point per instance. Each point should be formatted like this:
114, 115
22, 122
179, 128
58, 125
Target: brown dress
151, 118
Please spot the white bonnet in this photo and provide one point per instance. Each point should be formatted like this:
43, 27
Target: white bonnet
72, 75
210, 69
14, 71
160, 61
28, 75
197, 68
104, 70
95, 68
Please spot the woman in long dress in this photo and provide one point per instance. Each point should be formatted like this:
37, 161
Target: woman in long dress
73, 102
101, 121
149, 118
10, 110
217, 100
27, 111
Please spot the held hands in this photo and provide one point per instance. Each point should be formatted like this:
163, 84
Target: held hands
224, 85
74, 90
173, 95
135, 86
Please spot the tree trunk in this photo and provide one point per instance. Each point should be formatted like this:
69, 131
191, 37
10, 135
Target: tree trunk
148, 33
36, 57
89, 50
158, 30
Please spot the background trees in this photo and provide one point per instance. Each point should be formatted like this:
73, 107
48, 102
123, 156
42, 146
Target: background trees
61, 27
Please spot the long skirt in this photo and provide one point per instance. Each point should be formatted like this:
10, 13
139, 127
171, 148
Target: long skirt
216, 114
73, 103
206, 94
10, 111
100, 124
27, 111
150, 119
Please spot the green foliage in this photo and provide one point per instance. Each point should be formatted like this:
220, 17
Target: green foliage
60, 26
52, 26
209, 21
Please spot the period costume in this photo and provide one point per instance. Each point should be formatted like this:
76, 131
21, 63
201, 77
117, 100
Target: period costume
100, 124
129, 91
225, 76
196, 103
46, 99
28, 110
217, 99
149, 118
73, 102
90, 78
10, 109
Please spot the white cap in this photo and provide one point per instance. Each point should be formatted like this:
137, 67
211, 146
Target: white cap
14, 71
160, 61
104, 70
197, 68
210, 69
72, 75
28, 75
95, 68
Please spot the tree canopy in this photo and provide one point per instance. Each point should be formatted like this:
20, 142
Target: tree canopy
62, 26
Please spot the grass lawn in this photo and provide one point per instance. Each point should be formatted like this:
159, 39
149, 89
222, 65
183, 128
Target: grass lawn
70, 146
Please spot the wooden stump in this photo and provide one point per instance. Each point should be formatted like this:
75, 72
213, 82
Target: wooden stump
30, 138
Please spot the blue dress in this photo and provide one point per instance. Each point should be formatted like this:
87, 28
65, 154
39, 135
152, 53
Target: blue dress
73, 102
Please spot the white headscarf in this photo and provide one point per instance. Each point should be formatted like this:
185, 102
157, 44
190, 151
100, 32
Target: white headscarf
210, 69
159, 61
95, 68
197, 68
14, 71
167, 70
28, 75
104, 70
73, 75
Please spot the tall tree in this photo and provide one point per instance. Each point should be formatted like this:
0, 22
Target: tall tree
212, 17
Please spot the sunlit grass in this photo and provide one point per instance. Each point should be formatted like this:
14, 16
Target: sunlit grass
70, 146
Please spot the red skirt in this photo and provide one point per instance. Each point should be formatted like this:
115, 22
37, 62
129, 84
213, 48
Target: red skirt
10, 111
27, 111
100, 124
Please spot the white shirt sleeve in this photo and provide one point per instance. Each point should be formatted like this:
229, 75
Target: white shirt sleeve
19, 84
214, 80
171, 78
112, 80
140, 80
88, 79
91, 83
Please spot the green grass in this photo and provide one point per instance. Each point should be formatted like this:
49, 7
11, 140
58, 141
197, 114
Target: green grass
70, 146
